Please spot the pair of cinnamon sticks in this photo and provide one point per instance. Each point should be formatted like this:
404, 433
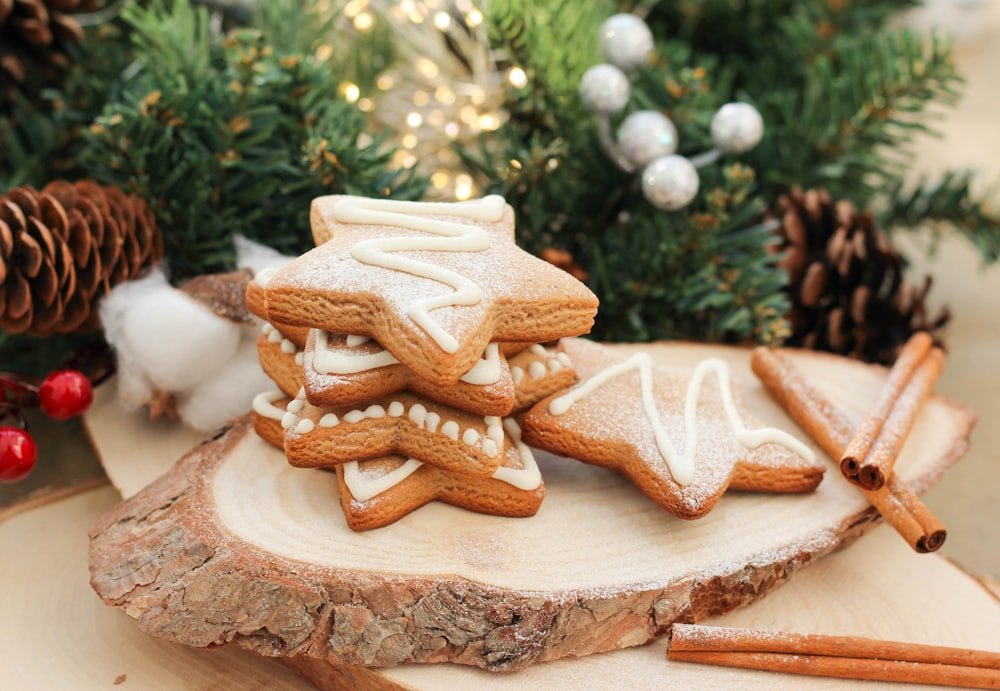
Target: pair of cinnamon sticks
845, 657
868, 458
868, 453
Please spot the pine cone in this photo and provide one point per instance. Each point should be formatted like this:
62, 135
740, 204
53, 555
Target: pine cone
37, 33
846, 281
65, 247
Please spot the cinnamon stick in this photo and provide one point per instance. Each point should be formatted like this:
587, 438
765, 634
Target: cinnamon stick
832, 431
846, 657
815, 414
873, 468
910, 357
903, 509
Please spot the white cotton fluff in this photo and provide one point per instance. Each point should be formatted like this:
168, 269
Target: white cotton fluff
165, 341
228, 393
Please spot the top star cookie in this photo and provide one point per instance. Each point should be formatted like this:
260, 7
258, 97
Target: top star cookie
434, 283
681, 435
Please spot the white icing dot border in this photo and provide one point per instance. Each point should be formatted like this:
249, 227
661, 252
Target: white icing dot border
490, 443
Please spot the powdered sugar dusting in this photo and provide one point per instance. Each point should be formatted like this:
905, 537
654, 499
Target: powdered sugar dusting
627, 441
522, 297
680, 459
440, 236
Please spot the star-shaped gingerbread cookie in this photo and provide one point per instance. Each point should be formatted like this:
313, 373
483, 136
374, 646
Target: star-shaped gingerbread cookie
680, 435
380, 491
434, 283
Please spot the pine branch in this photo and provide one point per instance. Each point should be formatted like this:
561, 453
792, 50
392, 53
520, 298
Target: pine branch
174, 40
850, 128
949, 202
544, 39
231, 138
709, 273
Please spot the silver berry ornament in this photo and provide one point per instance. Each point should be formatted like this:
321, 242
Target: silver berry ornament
737, 127
645, 135
604, 89
670, 182
625, 41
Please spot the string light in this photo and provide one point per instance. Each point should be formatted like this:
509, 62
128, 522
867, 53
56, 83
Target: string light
444, 95
353, 8
443, 89
488, 122
442, 20
428, 68
463, 186
364, 21
350, 91
517, 77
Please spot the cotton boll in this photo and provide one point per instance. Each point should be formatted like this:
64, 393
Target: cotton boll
162, 337
181, 341
228, 393
134, 387
123, 298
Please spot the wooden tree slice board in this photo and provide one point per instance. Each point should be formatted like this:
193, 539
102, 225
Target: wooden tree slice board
234, 545
877, 588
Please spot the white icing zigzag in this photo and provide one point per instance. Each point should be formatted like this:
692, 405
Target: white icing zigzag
326, 360
681, 465
364, 489
526, 478
445, 237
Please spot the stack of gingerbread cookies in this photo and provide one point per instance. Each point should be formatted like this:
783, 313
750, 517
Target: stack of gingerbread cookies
402, 345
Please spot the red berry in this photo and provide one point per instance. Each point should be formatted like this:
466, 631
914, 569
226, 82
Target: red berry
17, 453
65, 394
